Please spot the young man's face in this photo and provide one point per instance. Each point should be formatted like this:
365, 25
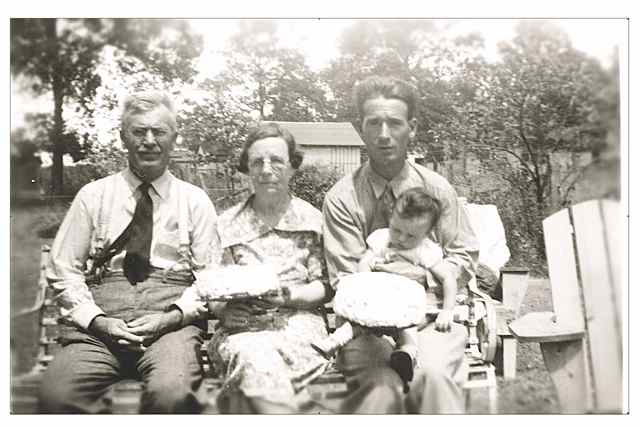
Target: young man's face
387, 130
149, 139
405, 234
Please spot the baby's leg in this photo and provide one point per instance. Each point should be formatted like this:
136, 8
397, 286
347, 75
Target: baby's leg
408, 336
344, 333
403, 358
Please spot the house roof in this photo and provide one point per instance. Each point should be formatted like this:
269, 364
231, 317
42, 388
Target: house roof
322, 133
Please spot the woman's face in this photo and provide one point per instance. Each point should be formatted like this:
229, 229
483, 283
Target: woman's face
269, 166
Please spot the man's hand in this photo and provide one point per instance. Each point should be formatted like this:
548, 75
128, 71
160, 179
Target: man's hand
113, 330
406, 269
444, 320
152, 326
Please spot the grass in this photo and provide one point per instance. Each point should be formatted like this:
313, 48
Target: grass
531, 392
31, 226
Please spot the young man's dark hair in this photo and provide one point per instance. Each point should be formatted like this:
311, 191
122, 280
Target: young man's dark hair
387, 87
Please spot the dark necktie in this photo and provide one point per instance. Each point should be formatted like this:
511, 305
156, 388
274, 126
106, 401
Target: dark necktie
383, 209
136, 264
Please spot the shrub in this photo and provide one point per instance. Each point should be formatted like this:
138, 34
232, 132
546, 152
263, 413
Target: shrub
312, 182
101, 161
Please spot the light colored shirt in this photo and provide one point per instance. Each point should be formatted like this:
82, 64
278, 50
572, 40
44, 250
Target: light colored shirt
349, 217
426, 254
78, 233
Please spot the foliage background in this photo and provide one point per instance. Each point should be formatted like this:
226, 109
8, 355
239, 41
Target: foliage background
530, 132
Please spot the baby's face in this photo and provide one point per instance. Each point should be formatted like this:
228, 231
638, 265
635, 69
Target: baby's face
405, 234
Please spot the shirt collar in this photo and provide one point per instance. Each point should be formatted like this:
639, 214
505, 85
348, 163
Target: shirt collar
397, 184
241, 224
161, 186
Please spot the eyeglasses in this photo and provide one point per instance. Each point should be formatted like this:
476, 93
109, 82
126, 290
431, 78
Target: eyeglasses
276, 163
141, 132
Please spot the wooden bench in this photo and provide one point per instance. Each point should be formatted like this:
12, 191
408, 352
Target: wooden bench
490, 343
581, 341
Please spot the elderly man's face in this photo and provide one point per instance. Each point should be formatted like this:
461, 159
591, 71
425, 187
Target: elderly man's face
149, 139
386, 130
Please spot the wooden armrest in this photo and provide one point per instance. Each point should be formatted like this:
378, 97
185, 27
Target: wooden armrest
543, 327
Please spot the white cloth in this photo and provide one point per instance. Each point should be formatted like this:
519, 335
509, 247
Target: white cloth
487, 225
426, 254
77, 236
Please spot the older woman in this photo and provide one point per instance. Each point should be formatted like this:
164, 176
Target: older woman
263, 346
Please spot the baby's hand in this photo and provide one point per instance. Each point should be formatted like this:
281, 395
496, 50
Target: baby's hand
444, 320
375, 262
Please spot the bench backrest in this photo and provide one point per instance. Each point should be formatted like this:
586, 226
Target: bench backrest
584, 258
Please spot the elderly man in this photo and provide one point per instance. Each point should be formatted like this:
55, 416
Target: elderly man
123, 256
361, 203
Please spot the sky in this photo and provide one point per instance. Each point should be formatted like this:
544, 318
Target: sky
317, 38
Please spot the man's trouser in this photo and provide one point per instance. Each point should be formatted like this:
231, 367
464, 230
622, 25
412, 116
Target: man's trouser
82, 375
374, 388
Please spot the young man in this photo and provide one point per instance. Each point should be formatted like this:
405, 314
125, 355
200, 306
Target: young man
123, 256
361, 203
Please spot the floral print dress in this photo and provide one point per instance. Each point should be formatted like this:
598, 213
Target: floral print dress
272, 359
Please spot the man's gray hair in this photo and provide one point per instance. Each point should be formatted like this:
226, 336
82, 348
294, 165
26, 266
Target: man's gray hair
137, 103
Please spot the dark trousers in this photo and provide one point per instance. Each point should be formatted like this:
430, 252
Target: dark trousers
81, 376
80, 379
377, 389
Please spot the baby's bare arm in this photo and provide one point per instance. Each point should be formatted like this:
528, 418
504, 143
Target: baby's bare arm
442, 272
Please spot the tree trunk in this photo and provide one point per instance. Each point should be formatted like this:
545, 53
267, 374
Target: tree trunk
57, 183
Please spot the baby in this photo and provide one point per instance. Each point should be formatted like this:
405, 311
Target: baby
414, 215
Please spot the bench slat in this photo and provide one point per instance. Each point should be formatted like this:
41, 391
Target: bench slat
601, 310
562, 269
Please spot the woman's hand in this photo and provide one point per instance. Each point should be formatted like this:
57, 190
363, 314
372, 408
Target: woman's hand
283, 298
236, 315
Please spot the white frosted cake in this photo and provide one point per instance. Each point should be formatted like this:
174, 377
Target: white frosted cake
236, 281
380, 299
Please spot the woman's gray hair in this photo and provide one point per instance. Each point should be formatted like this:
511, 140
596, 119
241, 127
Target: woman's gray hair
137, 103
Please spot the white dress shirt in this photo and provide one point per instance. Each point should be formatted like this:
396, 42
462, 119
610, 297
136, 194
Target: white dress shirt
78, 233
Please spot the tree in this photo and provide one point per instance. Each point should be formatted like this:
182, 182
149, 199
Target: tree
417, 51
271, 79
61, 56
214, 124
538, 101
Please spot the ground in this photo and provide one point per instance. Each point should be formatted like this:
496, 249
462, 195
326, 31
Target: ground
531, 392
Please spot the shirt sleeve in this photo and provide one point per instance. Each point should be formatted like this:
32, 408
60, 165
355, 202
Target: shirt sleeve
344, 242
378, 242
457, 238
67, 258
205, 251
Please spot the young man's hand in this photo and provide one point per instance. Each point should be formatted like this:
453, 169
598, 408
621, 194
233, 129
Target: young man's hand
416, 273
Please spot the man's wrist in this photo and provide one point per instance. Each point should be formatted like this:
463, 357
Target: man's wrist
95, 322
174, 316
